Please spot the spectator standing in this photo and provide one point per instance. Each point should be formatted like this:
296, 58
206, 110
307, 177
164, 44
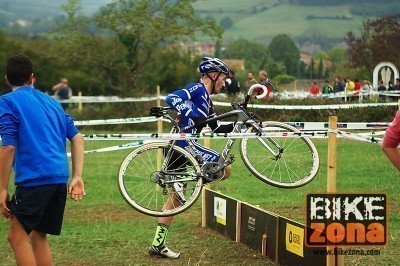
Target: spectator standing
391, 90
357, 89
338, 88
366, 89
250, 80
34, 129
349, 88
314, 91
327, 89
62, 92
263, 76
397, 86
382, 91
232, 84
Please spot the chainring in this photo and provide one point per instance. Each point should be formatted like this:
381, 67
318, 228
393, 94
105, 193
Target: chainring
210, 172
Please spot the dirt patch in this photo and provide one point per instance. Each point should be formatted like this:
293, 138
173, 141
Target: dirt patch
102, 213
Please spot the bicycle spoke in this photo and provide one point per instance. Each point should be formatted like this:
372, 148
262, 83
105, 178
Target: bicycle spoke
151, 161
146, 195
295, 165
261, 161
137, 194
287, 169
144, 182
150, 200
294, 139
301, 144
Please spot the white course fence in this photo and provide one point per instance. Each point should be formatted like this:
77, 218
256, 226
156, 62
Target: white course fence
114, 99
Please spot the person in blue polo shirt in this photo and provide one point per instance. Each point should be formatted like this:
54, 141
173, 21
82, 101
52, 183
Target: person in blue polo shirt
33, 130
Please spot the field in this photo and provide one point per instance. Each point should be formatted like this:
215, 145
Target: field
104, 230
280, 19
253, 20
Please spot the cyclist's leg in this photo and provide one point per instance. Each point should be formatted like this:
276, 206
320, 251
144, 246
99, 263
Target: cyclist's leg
176, 162
158, 246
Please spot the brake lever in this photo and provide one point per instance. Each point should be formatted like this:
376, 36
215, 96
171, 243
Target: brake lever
239, 105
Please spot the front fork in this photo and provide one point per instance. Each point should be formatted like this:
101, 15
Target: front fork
276, 155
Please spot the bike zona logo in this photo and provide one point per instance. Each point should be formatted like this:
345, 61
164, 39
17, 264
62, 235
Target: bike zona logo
346, 220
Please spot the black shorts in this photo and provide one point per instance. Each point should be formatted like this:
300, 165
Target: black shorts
40, 208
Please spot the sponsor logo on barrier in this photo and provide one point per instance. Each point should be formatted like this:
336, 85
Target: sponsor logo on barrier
340, 125
346, 220
294, 239
220, 210
296, 124
378, 125
251, 223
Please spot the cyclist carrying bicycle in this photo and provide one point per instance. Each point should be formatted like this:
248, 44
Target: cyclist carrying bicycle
194, 106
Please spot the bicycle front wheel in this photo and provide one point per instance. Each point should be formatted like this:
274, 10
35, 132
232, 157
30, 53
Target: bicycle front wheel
287, 163
159, 179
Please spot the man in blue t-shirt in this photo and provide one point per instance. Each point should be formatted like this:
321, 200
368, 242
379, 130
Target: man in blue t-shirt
194, 106
34, 129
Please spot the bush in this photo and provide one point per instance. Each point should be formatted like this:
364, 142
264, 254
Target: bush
284, 79
226, 23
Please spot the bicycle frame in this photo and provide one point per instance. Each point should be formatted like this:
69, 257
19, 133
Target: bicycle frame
241, 118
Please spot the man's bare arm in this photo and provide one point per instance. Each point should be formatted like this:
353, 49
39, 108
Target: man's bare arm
6, 161
393, 154
76, 187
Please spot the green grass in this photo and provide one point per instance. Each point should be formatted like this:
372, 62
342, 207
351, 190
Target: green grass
103, 230
280, 19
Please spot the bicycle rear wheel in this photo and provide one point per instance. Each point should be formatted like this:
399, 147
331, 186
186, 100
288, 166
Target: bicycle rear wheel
159, 179
297, 162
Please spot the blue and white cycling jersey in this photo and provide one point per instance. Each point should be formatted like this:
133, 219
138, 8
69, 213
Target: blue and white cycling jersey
194, 101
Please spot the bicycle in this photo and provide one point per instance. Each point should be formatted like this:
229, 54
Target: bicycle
162, 174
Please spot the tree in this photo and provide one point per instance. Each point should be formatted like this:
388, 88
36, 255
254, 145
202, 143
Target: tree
255, 55
379, 41
122, 37
339, 59
217, 52
311, 70
283, 49
320, 68
226, 23
174, 69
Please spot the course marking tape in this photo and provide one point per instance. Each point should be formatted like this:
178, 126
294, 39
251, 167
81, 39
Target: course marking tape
210, 135
117, 147
168, 137
115, 99
135, 120
298, 125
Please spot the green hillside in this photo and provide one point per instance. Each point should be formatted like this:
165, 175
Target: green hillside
44, 8
258, 20
38, 16
322, 22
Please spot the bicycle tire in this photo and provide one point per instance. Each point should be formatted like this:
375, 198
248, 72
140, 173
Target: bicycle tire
135, 164
303, 156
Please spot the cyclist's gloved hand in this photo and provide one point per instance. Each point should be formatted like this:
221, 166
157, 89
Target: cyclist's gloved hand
199, 122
